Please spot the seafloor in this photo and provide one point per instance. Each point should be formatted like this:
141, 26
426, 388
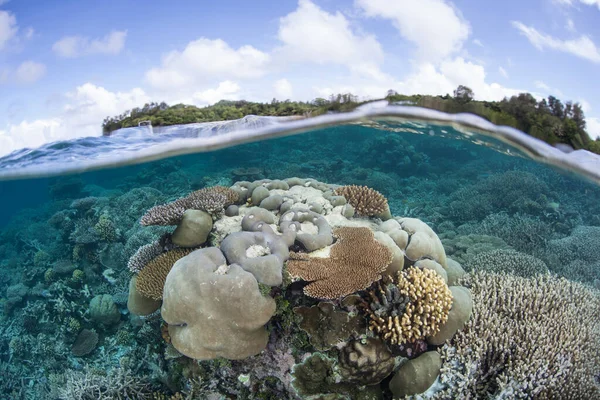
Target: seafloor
517, 228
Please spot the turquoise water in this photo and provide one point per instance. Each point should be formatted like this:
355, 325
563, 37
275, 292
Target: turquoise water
66, 241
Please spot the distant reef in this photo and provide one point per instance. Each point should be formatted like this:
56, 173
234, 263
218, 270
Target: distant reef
549, 119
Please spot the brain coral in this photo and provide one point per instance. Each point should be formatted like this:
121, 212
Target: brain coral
366, 201
214, 309
212, 200
356, 260
151, 279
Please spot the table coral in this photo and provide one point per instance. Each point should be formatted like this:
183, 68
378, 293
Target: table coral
356, 260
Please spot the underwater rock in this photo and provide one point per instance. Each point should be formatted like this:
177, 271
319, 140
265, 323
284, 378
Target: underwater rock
365, 363
139, 304
104, 310
214, 309
327, 327
314, 375
260, 253
193, 229
417, 375
462, 307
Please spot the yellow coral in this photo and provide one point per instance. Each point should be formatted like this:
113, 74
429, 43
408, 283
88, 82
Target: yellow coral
429, 301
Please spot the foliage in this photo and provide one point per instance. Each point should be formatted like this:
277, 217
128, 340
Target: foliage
548, 119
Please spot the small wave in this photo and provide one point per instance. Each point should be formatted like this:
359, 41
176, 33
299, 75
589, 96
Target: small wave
140, 144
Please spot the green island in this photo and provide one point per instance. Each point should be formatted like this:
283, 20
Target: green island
549, 119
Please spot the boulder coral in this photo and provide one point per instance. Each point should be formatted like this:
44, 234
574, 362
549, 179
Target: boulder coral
214, 309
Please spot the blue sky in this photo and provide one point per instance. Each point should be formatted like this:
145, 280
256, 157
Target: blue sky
66, 65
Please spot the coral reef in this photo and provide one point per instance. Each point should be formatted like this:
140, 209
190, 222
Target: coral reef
366, 201
151, 279
355, 261
541, 340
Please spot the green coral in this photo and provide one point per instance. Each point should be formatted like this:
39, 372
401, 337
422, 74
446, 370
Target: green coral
73, 325
78, 276
105, 228
49, 275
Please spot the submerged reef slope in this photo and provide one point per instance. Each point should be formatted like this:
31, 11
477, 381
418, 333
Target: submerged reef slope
89, 309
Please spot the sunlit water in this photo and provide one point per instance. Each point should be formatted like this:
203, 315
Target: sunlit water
460, 175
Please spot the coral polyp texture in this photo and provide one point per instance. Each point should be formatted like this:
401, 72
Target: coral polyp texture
541, 341
356, 260
366, 201
212, 200
151, 279
411, 308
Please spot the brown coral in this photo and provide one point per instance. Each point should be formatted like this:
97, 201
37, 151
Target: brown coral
212, 200
151, 279
366, 201
356, 260
429, 301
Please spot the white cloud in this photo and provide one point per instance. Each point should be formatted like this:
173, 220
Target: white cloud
586, 2
478, 42
227, 90
204, 60
582, 47
29, 72
82, 116
541, 85
77, 46
434, 26
283, 89
570, 26
547, 89
503, 72
314, 35
8, 27
29, 32
592, 126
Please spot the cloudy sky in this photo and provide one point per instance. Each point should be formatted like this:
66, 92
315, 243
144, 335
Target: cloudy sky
65, 65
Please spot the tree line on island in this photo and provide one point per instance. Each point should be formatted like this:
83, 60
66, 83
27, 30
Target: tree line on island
549, 119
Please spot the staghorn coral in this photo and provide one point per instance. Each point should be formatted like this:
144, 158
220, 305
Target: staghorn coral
212, 200
356, 260
429, 301
144, 255
509, 261
151, 279
541, 341
91, 384
366, 201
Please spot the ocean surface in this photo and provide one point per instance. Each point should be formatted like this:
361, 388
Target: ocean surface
507, 219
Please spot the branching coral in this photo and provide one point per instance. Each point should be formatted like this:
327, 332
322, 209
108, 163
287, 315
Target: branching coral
212, 200
151, 279
356, 261
366, 201
144, 255
541, 341
420, 304
508, 261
